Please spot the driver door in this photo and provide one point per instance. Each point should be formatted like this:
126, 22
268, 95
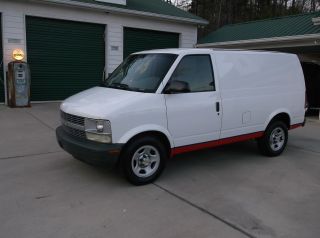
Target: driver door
194, 117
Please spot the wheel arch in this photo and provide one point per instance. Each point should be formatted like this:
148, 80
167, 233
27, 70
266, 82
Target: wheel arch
280, 115
153, 131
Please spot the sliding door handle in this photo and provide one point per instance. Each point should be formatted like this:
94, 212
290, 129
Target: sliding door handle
218, 106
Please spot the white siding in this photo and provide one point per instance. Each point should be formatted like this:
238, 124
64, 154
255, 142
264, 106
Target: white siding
122, 2
13, 33
14, 13
114, 34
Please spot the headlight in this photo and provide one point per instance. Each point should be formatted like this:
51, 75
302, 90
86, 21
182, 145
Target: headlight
98, 130
103, 138
100, 126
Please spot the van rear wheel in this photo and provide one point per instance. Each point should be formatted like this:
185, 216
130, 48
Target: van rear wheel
274, 140
143, 160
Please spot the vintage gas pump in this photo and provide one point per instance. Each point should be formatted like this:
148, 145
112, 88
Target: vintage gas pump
18, 81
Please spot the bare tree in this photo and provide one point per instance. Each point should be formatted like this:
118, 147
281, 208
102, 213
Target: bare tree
221, 12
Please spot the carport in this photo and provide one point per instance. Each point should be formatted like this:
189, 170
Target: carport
298, 34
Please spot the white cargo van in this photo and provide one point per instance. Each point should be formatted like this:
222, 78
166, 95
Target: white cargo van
160, 103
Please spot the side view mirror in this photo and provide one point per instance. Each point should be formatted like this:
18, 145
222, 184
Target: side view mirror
176, 86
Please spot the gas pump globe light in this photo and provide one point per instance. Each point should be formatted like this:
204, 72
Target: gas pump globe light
18, 54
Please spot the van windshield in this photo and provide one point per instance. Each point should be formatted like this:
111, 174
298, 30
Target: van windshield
141, 72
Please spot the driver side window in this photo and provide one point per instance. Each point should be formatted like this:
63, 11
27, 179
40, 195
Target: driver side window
196, 71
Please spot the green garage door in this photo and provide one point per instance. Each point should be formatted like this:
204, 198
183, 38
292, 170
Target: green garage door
65, 57
138, 40
1, 67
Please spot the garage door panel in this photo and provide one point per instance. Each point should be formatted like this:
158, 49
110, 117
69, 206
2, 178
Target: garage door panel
65, 57
139, 40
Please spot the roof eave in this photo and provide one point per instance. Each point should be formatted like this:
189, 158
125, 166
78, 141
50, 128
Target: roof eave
273, 42
127, 11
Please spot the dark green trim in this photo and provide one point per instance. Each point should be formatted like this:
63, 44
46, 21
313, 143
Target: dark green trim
294, 25
88, 150
135, 40
65, 57
150, 6
2, 94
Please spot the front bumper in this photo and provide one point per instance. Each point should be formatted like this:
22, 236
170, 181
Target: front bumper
86, 150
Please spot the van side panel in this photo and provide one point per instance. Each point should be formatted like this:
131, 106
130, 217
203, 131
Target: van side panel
142, 114
255, 86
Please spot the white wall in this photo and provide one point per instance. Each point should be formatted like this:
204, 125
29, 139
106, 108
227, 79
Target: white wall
13, 16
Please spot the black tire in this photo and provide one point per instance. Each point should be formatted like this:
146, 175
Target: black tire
135, 157
269, 144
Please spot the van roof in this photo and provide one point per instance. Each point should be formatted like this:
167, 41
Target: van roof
202, 51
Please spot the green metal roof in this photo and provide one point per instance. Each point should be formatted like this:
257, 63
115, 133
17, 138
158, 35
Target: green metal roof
150, 6
273, 27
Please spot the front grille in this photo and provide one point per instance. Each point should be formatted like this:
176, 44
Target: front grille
73, 125
74, 132
72, 118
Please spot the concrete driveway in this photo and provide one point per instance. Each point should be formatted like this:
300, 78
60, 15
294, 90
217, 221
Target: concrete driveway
230, 191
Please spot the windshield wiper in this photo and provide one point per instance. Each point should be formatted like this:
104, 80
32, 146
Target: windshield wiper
140, 90
126, 87
119, 85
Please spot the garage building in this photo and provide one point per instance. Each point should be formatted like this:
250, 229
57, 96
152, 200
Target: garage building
69, 44
299, 34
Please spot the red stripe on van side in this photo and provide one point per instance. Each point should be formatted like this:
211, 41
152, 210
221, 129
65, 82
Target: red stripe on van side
295, 126
211, 144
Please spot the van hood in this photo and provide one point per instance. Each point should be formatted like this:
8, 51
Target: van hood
98, 102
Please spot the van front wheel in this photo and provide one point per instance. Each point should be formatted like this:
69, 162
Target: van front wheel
143, 160
274, 140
